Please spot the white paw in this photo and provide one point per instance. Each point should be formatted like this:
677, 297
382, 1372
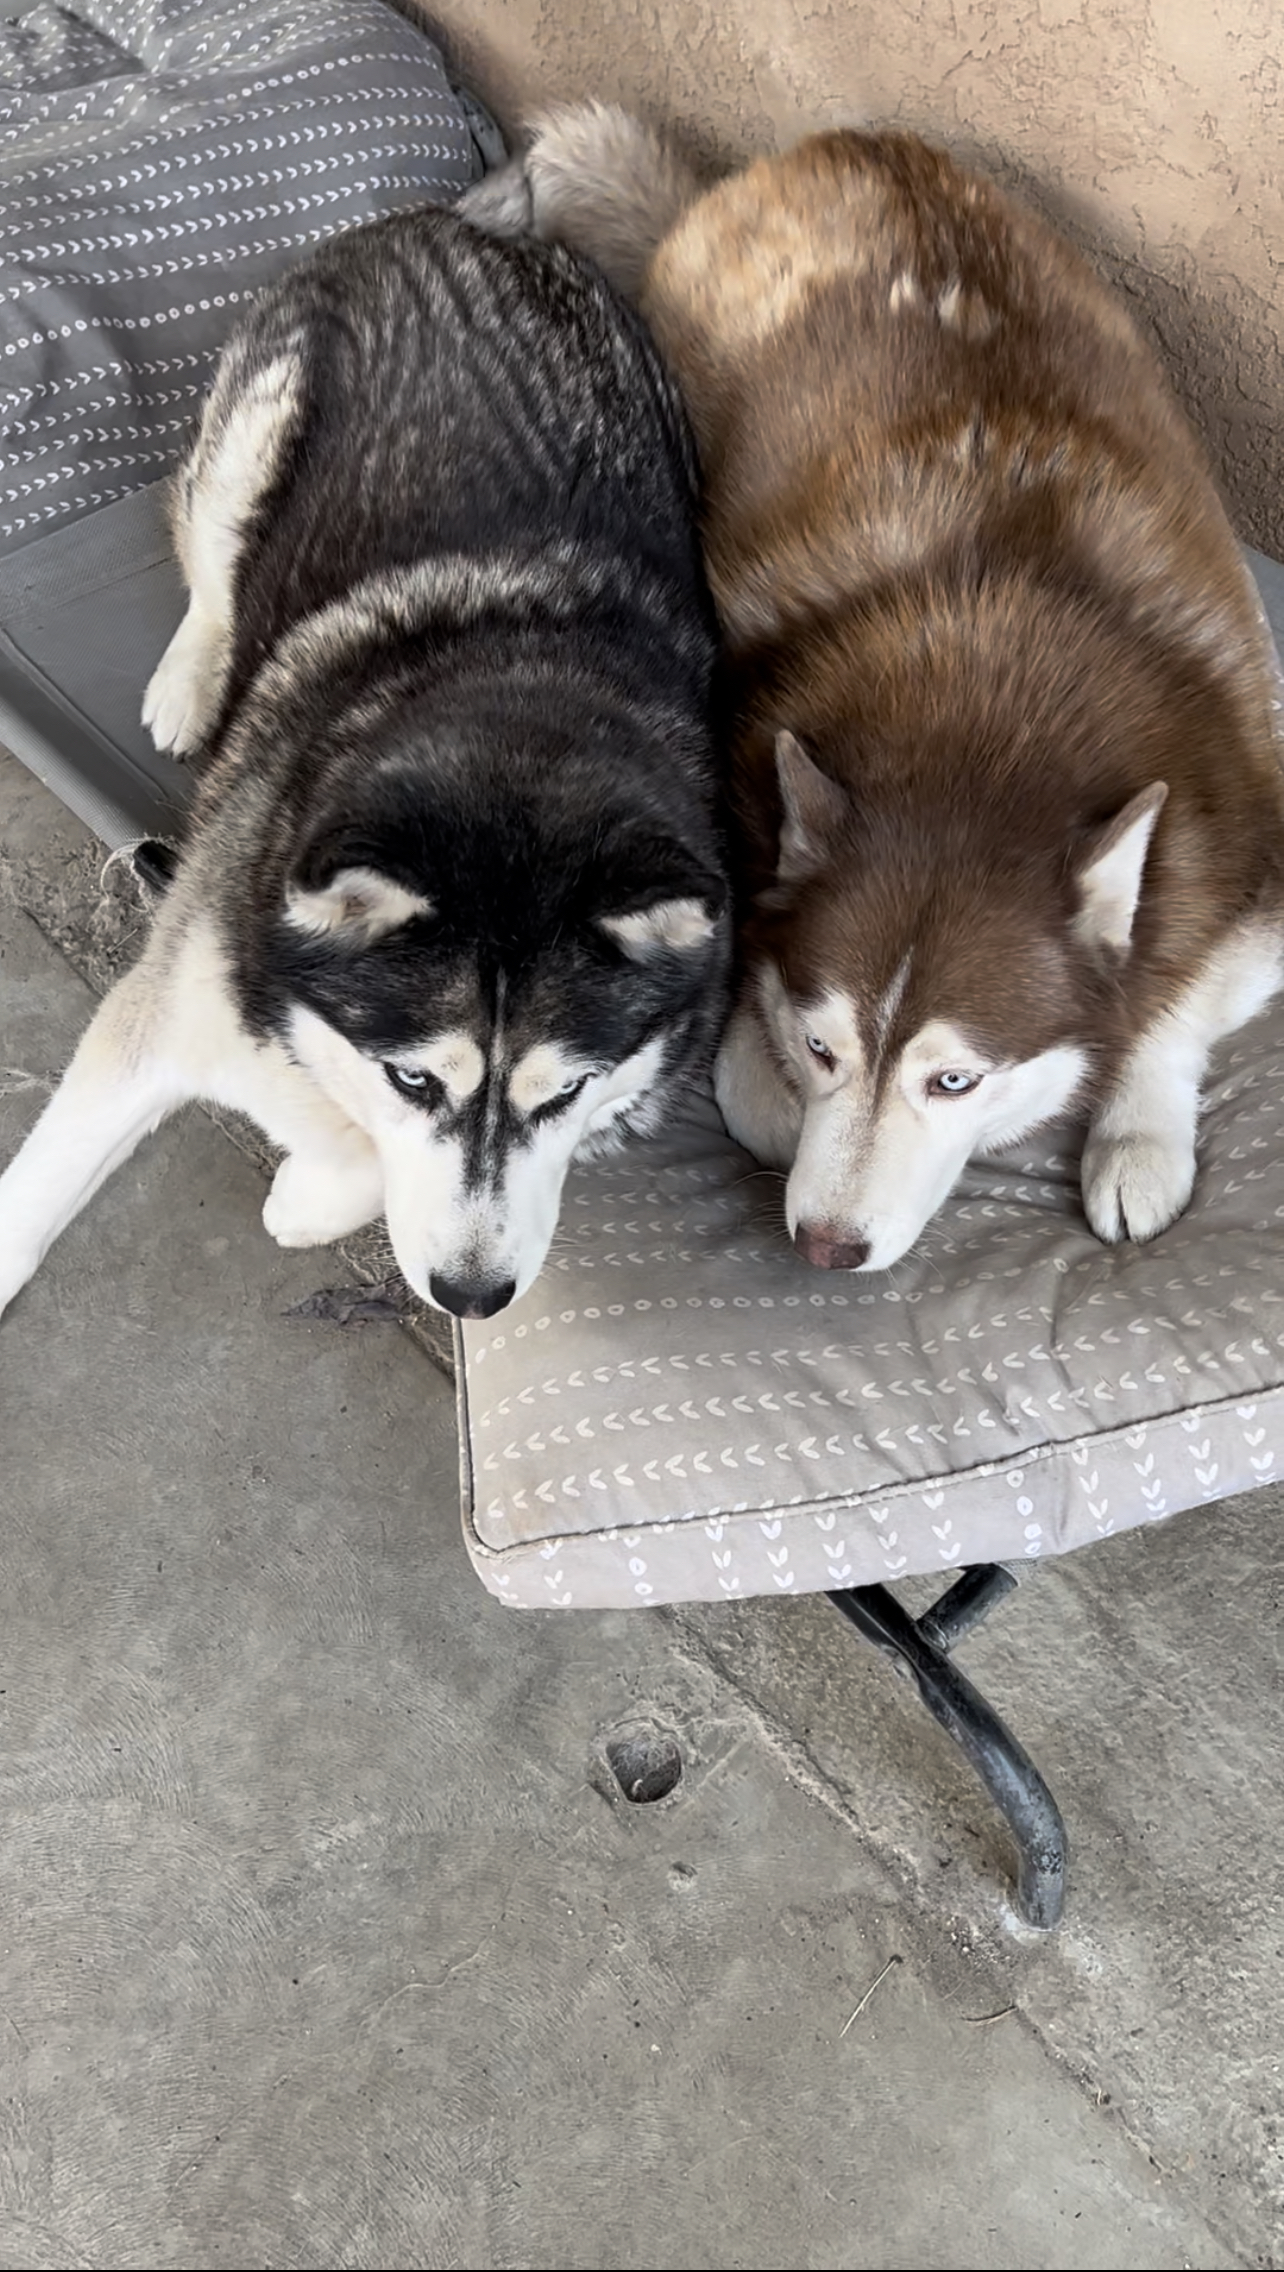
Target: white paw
1135, 1186
759, 1111
312, 1204
185, 689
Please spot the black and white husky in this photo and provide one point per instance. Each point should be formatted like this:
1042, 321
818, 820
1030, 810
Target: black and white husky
452, 904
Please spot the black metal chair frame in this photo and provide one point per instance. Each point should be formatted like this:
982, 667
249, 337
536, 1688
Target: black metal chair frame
922, 1646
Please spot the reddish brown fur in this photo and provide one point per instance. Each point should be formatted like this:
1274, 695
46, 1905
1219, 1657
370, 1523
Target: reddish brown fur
971, 555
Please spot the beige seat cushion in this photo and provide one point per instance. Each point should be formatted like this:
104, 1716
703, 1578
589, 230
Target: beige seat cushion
681, 1409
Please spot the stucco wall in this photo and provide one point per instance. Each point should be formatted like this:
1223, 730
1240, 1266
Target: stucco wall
1149, 129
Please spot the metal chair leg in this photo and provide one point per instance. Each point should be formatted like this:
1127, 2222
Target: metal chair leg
1005, 1768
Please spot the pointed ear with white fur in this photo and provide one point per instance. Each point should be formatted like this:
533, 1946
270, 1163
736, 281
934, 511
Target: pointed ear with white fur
675, 925
814, 808
356, 904
1110, 874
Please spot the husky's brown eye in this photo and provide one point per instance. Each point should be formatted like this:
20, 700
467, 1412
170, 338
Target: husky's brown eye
821, 1052
953, 1084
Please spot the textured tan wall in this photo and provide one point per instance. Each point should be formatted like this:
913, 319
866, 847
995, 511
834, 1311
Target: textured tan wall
1149, 129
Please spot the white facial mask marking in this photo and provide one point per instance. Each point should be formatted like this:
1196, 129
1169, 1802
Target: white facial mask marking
453, 1058
877, 1176
538, 1076
436, 1226
892, 998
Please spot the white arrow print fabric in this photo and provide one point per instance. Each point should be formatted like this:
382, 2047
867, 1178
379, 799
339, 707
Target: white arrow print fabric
159, 161
680, 1409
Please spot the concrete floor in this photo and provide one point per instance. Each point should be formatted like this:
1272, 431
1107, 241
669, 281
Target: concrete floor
321, 1942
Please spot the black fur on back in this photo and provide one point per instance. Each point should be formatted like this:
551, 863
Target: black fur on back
463, 396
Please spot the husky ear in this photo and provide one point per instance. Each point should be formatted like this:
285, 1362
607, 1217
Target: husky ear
339, 891
814, 806
678, 925
357, 904
682, 899
1109, 874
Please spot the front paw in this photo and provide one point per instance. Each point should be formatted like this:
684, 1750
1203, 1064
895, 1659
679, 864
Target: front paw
1135, 1185
183, 694
759, 1111
311, 1205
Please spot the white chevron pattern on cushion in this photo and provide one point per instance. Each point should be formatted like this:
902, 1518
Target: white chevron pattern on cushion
159, 160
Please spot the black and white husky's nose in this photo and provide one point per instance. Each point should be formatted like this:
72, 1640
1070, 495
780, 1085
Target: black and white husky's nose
471, 1297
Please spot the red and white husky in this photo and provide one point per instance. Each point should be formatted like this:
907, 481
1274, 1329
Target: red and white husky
1005, 752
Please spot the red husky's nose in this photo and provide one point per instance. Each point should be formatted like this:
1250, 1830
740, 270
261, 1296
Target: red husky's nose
828, 1252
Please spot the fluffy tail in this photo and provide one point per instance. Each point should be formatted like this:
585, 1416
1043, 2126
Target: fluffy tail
592, 178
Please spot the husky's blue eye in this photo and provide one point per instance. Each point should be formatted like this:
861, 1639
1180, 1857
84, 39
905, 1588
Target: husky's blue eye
412, 1081
560, 1098
953, 1084
821, 1051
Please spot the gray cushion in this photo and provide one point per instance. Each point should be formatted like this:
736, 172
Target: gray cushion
682, 1409
159, 160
